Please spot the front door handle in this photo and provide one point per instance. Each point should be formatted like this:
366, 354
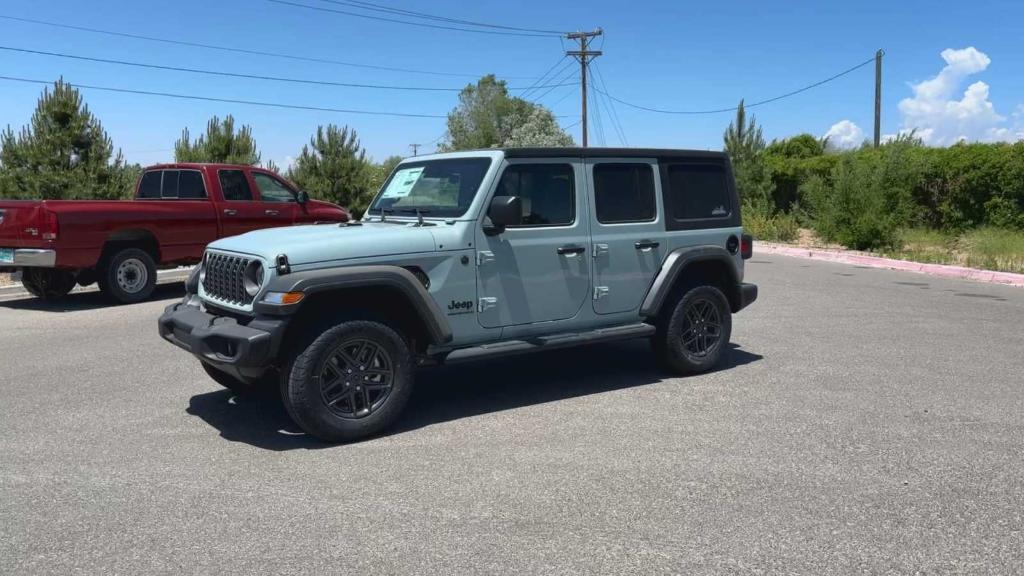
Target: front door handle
571, 250
271, 212
230, 212
646, 245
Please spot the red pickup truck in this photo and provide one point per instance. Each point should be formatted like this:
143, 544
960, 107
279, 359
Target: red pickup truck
178, 209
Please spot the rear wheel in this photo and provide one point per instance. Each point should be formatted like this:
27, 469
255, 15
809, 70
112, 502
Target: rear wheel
351, 382
47, 284
129, 276
692, 338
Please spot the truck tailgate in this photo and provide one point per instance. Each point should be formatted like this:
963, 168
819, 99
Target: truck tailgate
15, 217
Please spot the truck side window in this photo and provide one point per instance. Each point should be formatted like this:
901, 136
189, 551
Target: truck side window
624, 193
698, 191
190, 185
272, 190
547, 191
149, 187
234, 185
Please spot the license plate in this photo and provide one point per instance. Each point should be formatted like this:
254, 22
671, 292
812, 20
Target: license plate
7, 255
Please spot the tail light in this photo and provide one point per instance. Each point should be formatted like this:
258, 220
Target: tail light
746, 246
50, 227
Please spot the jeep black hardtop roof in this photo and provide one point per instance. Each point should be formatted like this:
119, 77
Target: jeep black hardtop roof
609, 153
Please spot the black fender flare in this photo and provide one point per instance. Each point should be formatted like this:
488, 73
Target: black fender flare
676, 261
314, 281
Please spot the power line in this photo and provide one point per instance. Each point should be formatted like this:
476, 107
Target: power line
751, 105
565, 78
541, 78
229, 100
613, 113
409, 23
390, 10
598, 122
247, 51
235, 74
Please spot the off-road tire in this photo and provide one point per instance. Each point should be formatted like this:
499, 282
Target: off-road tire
47, 284
306, 400
691, 322
119, 272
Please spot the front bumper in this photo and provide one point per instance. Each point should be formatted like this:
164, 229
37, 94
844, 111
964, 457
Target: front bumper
32, 257
246, 351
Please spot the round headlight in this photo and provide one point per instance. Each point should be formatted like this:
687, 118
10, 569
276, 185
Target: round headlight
252, 278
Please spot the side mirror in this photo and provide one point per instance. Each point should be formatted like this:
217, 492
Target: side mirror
302, 197
504, 211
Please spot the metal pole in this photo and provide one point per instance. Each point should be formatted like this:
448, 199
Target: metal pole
878, 97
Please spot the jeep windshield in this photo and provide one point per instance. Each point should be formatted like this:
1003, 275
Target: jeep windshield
432, 188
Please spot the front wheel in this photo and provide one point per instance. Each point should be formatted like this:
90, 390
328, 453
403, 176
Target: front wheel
353, 381
692, 338
47, 284
129, 276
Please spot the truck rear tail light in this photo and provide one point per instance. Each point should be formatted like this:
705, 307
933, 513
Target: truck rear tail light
50, 227
746, 246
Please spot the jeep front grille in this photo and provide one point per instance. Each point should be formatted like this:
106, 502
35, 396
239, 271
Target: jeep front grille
223, 278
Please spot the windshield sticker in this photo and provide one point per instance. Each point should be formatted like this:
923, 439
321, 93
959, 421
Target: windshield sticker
403, 182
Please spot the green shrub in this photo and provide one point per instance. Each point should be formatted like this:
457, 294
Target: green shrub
994, 249
764, 225
867, 198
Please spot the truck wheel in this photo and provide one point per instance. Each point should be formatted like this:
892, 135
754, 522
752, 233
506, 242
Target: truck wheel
693, 336
47, 284
351, 382
129, 276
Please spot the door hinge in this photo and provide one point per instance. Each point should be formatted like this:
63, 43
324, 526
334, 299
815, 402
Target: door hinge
600, 250
484, 257
486, 303
601, 292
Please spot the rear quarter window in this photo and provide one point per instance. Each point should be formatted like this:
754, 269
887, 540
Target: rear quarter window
699, 194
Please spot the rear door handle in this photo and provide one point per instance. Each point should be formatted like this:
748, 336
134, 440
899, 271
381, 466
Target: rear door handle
271, 212
571, 250
646, 244
230, 212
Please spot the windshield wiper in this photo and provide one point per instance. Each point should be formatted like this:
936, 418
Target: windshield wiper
419, 214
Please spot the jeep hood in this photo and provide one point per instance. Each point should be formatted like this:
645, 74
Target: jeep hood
325, 242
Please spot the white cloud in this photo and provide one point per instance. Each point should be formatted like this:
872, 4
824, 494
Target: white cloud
845, 134
940, 118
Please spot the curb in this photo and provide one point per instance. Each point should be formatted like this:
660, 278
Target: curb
940, 270
175, 275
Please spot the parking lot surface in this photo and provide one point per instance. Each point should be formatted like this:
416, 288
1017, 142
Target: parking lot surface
864, 421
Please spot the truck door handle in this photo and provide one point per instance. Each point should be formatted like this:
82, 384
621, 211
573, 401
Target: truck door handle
646, 244
230, 212
571, 250
271, 212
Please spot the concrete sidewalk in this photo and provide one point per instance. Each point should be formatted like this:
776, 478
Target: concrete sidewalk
860, 259
16, 291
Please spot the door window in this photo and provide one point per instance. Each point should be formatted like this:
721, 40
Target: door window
271, 189
234, 185
547, 192
624, 193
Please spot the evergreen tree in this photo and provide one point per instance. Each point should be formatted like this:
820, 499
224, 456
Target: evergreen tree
220, 144
333, 167
744, 143
63, 153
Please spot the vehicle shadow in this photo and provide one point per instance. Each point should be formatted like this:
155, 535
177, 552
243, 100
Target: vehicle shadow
449, 393
90, 300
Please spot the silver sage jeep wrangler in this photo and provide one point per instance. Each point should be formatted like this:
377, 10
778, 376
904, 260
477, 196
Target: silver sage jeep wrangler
467, 256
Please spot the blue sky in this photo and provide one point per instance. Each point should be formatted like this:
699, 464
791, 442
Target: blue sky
660, 54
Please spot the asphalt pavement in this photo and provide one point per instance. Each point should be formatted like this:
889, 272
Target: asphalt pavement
865, 421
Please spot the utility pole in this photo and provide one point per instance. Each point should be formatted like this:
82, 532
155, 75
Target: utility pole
584, 55
415, 148
878, 96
